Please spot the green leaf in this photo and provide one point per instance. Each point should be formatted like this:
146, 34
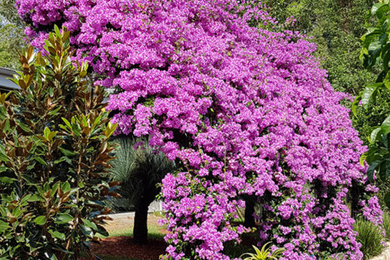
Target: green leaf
386, 59
86, 230
387, 199
40, 160
65, 187
40, 220
34, 198
376, 7
384, 171
102, 231
374, 134
363, 158
53, 257
57, 31
46, 133
385, 129
63, 218
24, 127
3, 156
6, 126
369, 93
7, 180
381, 10
3, 226
57, 234
67, 152
67, 123
3, 168
370, 171
89, 224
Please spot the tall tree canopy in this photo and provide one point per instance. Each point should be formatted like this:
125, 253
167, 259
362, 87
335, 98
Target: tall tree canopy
241, 110
11, 35
336, 28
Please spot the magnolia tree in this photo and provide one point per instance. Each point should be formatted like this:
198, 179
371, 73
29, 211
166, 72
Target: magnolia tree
242, 111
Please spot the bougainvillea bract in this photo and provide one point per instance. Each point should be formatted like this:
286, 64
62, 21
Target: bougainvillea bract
242, 110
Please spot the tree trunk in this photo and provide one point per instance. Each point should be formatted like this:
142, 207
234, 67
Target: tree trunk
249, 211
140, 230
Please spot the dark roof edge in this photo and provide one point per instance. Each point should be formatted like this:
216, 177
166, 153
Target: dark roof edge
6, 71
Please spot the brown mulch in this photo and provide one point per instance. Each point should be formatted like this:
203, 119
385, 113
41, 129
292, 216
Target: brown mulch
124, 246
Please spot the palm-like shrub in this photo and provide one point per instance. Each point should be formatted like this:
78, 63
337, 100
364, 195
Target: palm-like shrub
140, 170
54, 153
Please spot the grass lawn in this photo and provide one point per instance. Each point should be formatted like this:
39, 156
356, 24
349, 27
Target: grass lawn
119, 246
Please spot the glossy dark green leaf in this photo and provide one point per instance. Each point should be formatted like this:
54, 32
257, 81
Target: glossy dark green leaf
387, 199
382, 10
57, 234
3, 156
67, 152
25, 127
40, 160
34, 198
89, 224
65, 187
385, 129
374, 135
384, 170
7, 180
102, 231
40, 220
376, 7
3, 226
63, 218
371, 169
86, 230
369, 93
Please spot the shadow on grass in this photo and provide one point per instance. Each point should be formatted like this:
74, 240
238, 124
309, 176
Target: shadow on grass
235, 250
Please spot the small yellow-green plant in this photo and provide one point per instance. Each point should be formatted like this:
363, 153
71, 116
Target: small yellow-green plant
370, 236
263, 254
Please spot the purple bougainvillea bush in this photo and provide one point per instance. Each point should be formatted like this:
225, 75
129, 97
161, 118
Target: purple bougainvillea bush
242, 111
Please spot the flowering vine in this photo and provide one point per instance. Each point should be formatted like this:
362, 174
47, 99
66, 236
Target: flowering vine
242, 110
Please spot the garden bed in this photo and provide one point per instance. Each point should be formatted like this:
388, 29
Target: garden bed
119, 245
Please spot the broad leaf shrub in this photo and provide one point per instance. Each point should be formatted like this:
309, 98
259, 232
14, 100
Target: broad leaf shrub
241, 111
374, 99
54, 153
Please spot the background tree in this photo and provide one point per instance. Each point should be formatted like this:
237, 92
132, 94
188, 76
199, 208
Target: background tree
336, 28
11, 35
139, 170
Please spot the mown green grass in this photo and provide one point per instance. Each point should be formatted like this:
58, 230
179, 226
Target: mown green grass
154, 232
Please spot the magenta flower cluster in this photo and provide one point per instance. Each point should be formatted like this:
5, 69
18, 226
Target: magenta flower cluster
242, 110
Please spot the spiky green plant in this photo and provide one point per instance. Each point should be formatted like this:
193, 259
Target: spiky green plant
263, 254
386, 224
140, 170
370, 236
